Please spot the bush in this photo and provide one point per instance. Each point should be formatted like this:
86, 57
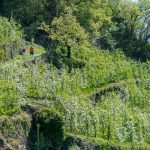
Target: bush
8, 98
51, 125
14, 129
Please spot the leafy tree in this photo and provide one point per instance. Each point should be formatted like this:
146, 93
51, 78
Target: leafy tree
130, 27
65, 31
144, 26
93, 15
31, 13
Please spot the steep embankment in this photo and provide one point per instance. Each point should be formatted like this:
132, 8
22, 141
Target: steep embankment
105, 101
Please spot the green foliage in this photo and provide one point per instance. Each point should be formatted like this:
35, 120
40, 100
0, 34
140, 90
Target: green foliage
131, 27
51, 125
108, 98
80, 142
65, 30
93, 16
113, 24
10, 38
102, 95
2, 55
15, 128
8, 98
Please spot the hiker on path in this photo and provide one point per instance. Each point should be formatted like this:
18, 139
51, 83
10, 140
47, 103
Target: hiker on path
23, 51
31, 51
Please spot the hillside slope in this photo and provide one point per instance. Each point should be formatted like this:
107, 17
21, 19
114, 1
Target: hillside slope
106, 100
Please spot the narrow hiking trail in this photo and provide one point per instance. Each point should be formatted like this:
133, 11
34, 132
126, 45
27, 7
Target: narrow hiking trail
39, 51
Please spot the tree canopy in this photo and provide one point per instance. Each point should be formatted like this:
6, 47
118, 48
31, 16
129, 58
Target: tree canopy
109, 23
65, 31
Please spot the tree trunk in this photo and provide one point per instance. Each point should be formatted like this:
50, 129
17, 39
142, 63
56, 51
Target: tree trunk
68, 51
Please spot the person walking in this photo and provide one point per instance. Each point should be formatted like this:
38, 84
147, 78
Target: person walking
31, 51
23, 52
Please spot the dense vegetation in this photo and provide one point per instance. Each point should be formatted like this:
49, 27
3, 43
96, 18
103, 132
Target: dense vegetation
89, 88
10, 38
113, 24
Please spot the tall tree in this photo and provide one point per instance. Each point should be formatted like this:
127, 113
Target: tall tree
65, 31
130, 27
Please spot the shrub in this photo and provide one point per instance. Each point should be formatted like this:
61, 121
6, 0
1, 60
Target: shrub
10, 38
51, 125
8, 98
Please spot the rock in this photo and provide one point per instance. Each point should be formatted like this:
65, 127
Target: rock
21, 147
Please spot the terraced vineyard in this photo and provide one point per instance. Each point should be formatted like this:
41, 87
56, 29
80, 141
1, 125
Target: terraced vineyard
75, 75
107, 101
